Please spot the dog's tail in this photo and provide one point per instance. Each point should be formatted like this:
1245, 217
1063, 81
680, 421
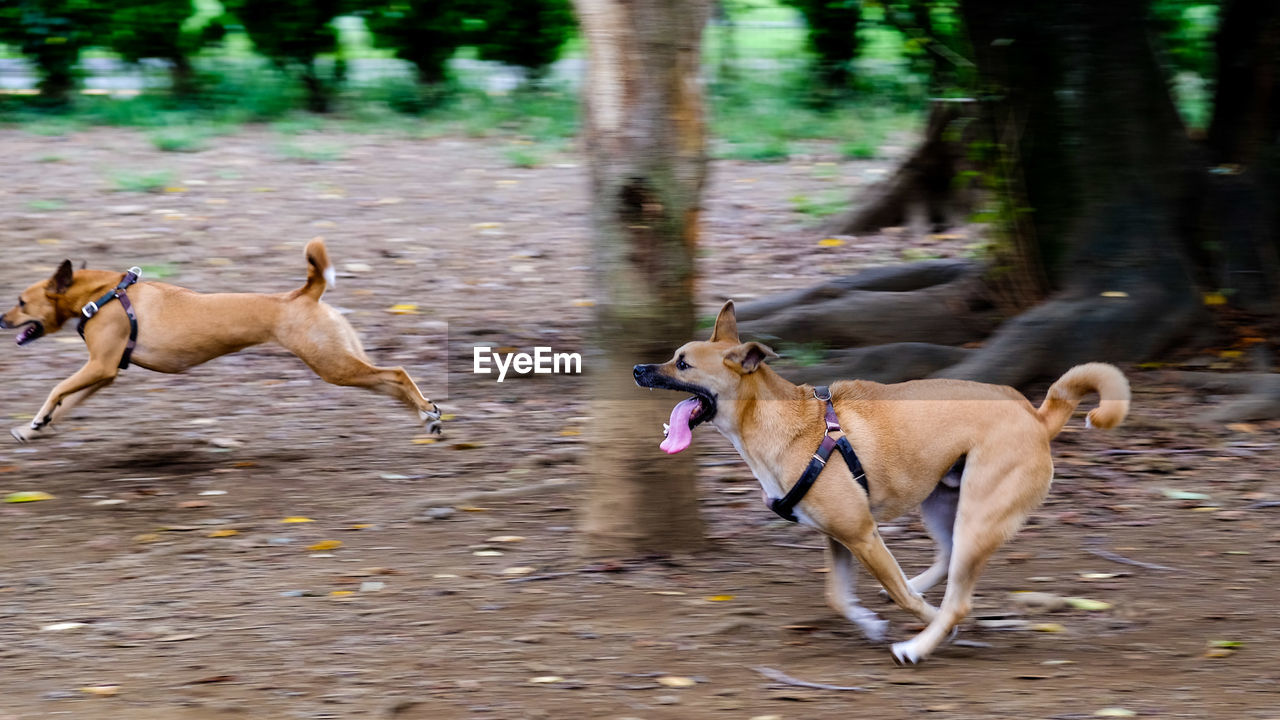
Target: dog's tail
1065, 394
320, 274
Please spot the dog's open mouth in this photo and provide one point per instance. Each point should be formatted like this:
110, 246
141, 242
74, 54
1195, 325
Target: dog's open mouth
686, 415
32, 330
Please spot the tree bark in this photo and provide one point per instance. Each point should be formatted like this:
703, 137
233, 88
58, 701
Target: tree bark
644, 135
926, 184
1240, 218
1105, 165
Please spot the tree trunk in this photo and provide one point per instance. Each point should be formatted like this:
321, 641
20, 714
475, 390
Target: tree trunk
1105, 164
644, 135
1240, 218
928, 183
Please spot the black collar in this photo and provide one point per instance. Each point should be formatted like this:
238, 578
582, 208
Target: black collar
118, 292
785, 505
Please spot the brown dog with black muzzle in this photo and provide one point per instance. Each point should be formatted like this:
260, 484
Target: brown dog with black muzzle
176, 329
973, 457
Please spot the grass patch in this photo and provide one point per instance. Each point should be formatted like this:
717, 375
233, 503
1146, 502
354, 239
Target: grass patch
310, 152
46, 205
148, 181
828, 203
523, 157
181, 138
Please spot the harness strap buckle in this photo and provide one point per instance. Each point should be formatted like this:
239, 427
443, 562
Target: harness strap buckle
89, 310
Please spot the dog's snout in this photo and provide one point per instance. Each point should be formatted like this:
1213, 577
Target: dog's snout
640, 373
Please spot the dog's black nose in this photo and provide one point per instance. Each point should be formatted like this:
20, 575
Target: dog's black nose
638, 371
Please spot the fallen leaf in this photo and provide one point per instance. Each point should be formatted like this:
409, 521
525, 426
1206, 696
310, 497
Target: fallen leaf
325, 545
1213, 298
58, 627
146, 538
341, 593
676, 681
720, 598
830, 242
519, 570
297, 519
1080, 603
403, 309
27, 496
101, 690
546, 679
423, 441
1183, 495
1047, 628
1114, 294
223, 533
193, 504
472, 508
506, 539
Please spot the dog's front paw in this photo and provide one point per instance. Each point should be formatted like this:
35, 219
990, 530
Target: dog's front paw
431, 419
22, 433
907, 652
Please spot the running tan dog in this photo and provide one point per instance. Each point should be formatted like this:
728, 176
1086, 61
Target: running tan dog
177, 329
974, 457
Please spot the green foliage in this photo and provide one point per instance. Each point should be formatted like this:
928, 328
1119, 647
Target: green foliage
832, 36
525, 33
292, 34
139, 29
51, 34
424, 32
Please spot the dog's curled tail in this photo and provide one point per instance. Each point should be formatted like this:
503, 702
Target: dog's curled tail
1065, 394
320, 274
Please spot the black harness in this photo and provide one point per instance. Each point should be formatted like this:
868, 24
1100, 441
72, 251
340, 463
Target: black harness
117, 293
785, 505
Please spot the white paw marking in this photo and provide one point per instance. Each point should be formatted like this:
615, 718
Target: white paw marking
907, 653
875, 629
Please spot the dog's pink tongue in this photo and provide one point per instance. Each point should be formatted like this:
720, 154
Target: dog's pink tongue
679, 434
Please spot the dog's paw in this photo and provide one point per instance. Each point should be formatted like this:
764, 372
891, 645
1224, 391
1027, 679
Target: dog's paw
875, 629
907, 652
22, 433
431, 420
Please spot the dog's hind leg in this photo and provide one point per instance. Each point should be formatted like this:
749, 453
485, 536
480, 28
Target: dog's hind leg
331, 348
841, 592
939, 514
989, 513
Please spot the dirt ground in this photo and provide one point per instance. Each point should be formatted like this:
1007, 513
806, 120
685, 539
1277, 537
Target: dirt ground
129, 596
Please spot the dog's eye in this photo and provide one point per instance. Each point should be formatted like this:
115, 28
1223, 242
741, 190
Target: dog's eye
682, 365
22, 303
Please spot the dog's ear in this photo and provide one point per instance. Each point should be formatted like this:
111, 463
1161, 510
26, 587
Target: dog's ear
726, 329
746, 358
61, 279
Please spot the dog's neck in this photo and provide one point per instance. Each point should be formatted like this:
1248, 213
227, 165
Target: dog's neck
766, 404
87, 286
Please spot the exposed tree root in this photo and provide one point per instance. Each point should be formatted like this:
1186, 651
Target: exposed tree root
1261, 392
891, 363
937, 302
1050, 338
